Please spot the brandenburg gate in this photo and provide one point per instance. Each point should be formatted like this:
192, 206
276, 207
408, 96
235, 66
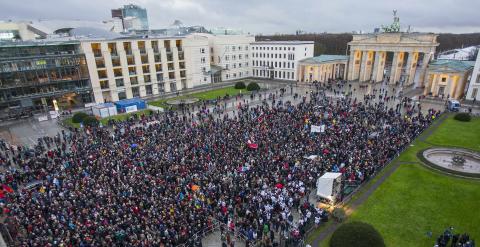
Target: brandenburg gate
395, 57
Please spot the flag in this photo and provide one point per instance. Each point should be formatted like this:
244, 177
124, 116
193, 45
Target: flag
279, 186
195, 187
252, 145
7, 188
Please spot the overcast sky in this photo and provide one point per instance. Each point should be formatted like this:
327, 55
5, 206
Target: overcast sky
267, 16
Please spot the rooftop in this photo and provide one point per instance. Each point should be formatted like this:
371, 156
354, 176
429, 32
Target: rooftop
451, 64
288, 42
324, 59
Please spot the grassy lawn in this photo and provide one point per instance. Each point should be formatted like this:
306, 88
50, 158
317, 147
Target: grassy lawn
122, 117
68, 121
416, 199
455, 133
207, 95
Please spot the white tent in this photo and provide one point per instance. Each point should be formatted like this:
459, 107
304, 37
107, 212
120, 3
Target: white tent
104, 110
326, 185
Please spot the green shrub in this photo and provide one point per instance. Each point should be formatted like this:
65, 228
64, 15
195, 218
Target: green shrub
90, 121
240, 85
253, 86
79, 116
339, 214
463, 116
356, 234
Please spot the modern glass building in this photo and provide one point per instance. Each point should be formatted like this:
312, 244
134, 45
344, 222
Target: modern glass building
136, 11
33, 75
133, 17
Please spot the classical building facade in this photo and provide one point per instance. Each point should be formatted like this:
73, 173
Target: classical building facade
127, 68
322, 68
396, 57
474, 85
447, 78
279, 59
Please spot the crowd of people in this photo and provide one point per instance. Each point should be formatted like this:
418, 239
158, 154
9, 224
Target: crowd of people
449, 239
160, 179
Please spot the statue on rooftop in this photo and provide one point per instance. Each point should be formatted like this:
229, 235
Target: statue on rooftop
395, 26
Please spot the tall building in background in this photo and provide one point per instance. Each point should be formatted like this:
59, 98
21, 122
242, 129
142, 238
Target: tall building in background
133, 17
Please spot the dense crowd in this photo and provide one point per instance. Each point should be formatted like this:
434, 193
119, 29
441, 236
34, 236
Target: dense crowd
162, 178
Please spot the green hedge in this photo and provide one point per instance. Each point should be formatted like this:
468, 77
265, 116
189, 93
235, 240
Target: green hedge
78, 117
356, 234
240, 85
253, 86
463, 116
90, 121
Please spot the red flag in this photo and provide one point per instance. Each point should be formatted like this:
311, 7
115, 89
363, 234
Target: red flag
279, 186
7, 188
252, 145
2, 195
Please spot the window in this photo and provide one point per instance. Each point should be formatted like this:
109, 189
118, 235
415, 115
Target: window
119, 82
474, 93
202, 50
285, 55
478, 78
122, 95
444, 79
234, 65
233, 48
293, 48
148, 89
240, 56
161, 87
227, 57
136, 91
202, 60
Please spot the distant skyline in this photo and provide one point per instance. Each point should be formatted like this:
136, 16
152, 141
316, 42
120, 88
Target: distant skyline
268, 16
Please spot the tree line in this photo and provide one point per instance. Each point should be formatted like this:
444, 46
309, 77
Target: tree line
336, 43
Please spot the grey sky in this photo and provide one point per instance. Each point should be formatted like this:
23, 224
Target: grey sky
268, 16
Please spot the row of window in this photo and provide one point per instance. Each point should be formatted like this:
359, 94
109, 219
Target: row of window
286, 65
127, 46
236, 48
271, 48
234, 65
234, 75
290, 56
119, 82
234, 57
274, 74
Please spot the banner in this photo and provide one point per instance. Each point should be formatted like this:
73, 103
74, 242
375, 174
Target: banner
132, 108
316, 129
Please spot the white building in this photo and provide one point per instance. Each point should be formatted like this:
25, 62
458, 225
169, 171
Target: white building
130, 67
279, 59
459, 54
474, 85
229, 56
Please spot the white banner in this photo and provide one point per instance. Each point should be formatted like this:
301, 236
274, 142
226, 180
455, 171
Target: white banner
315, 129
322, 128
132, 108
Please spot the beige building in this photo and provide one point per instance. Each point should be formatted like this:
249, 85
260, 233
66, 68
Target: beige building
229, 56
127, 68
447, 78
396, 57
322, 68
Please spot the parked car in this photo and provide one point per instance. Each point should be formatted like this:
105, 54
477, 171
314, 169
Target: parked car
453, 105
